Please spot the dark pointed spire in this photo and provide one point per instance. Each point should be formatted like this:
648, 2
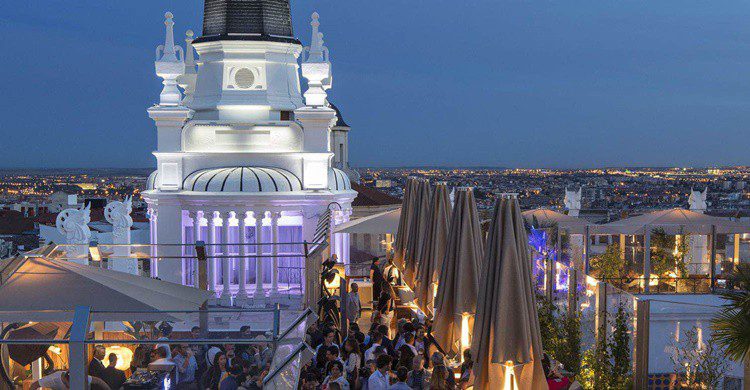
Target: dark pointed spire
247, 20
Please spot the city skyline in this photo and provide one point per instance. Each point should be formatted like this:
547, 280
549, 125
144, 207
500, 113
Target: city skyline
546, 86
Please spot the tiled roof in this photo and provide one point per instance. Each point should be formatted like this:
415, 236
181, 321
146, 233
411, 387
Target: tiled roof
247, 20
13, 222
368, 196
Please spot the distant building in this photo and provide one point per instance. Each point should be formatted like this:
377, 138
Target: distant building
380, 183
340, 145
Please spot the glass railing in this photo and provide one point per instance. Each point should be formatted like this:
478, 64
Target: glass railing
286, 366
149, 345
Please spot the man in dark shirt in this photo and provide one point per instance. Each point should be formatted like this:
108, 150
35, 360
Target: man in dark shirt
114, 377
96, 367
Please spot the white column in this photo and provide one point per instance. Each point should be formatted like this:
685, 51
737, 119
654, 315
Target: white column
196, 237
259, 299
346, 242
275, 215
226, 272
211, 251
241, 299
170, 232
152, 233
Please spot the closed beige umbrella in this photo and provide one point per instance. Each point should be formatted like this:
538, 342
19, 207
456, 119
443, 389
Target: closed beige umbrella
399, 246
458, 283
506, 326
433, 251
417, 230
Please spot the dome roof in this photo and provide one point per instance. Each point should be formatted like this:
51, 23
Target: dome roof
250, 179
242, 179
340, 121
338, 180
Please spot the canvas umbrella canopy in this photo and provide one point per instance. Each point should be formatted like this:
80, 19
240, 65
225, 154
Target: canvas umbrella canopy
43, 289
506, 325
417, 230
458, 282
380, 223
548, 218
673, 221
24, 354
433, 251
405, 220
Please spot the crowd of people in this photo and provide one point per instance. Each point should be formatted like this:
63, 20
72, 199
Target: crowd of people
379, 361
219, 366
391, 354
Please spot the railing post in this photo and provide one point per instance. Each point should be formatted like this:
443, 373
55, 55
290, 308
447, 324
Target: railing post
712, 271
307, 249
647, 260
202, 284
549, 282
640, 370
276, 324
600, 321
78, 356
586, 248
344, 296
572, 293
200, 253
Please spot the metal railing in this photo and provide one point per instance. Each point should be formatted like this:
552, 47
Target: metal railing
291, 272
694, 284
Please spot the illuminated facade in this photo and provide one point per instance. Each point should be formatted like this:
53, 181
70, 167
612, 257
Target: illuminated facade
241, 157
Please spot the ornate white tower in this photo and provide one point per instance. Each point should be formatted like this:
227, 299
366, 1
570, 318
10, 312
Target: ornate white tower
241, 160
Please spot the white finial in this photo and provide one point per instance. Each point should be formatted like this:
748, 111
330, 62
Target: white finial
316, 43
170, 64
189, 53
317, 67
169, 52
188, 80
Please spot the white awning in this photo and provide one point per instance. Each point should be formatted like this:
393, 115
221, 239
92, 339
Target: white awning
381, 223
43, 289
673, 221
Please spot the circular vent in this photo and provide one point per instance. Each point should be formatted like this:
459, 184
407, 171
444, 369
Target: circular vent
244, 78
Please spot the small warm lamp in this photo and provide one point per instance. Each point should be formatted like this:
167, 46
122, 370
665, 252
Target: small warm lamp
510, 376
465, 336
124, 356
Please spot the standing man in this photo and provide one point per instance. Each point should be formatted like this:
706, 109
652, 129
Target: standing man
96, 366
187, 365
376, 276
379, 380
111, 375
353, 304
